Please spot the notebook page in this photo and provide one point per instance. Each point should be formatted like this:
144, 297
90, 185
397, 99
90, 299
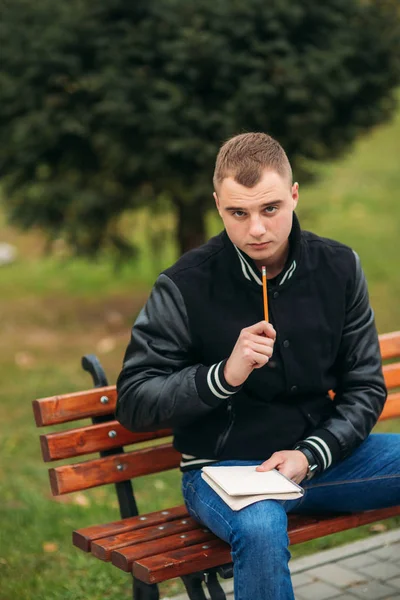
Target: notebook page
246, 481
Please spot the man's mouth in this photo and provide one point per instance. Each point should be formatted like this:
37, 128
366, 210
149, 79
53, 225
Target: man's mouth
260, 246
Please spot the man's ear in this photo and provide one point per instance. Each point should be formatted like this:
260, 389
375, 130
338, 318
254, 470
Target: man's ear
295, 194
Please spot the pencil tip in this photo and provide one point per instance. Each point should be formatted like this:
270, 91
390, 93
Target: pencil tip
264, 270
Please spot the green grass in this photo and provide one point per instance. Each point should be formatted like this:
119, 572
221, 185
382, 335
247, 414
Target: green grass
53, 310
356, 202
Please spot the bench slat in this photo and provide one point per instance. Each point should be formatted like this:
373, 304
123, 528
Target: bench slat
175, 563
392, 375
326, 525
125, 557
79, 405
391, 410
83, 538
142, 525
118, 467
390, 345
71, 407
93, 438
103, 547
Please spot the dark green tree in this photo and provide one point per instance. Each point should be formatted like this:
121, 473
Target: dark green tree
106, 106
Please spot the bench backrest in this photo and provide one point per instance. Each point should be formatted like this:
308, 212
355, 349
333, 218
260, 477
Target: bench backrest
109, 437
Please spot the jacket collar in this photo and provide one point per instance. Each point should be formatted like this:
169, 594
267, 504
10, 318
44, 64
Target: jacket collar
250, 271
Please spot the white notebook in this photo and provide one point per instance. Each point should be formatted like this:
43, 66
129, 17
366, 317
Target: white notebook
241, 486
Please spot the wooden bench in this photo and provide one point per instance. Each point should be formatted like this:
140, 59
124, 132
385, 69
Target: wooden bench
165, 544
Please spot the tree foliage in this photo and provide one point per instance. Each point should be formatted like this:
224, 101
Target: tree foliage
105, 106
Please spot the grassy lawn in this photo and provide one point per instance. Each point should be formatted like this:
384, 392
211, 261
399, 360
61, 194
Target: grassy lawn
52, 311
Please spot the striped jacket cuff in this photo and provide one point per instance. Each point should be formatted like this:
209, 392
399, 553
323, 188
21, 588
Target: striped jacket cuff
212, 386
324, 446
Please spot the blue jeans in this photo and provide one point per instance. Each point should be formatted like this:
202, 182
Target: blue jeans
368, 479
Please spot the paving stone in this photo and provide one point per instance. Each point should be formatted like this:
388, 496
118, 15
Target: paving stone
301, 579
391, 552
361, 547
395, 582
354, 562
345, 597
396, 561
319, 591
303, 596
373, 591
396, 550
298, 596
337, 575
382, 570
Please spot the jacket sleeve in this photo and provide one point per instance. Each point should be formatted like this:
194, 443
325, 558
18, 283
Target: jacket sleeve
160, 384
361, 391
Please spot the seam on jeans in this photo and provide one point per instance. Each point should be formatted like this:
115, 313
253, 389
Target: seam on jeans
213, 509
191, 509
347, 481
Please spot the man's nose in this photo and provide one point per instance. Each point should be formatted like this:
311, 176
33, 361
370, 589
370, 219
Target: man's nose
257, 228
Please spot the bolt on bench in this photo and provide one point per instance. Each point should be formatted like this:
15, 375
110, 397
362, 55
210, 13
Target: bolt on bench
165, 544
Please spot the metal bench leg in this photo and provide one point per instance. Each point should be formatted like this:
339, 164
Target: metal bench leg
193, 586
144, 591
214, 587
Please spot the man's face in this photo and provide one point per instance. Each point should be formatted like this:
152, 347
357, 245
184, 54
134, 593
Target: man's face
258, 220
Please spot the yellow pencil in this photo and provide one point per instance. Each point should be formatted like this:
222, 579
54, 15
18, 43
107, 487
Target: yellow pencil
265, 294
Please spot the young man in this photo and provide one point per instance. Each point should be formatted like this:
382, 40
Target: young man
238, 390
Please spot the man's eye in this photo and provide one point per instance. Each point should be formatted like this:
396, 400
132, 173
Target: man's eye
271, 209
238, 213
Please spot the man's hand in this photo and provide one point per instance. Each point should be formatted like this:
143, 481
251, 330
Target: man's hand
291, 463
252, 350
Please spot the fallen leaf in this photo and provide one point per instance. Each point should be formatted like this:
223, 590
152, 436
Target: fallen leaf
113, 317
159, 484
81, 500
50, 546
24, 360
378, 528
62, 499
106, 345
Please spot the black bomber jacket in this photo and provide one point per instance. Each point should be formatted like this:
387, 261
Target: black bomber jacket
172, 374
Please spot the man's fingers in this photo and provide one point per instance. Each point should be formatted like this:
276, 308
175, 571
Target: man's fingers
258, 359
270, 464
266, 466
263, 328
269, 330
263, 349
260, 339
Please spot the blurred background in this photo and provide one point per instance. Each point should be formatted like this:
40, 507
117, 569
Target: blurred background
111, 115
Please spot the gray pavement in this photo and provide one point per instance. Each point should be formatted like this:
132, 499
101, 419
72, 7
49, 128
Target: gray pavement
368, 569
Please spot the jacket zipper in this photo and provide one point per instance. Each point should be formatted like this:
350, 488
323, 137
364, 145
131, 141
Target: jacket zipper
222, 438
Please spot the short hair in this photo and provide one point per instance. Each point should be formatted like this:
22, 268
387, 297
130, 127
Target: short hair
246, 156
